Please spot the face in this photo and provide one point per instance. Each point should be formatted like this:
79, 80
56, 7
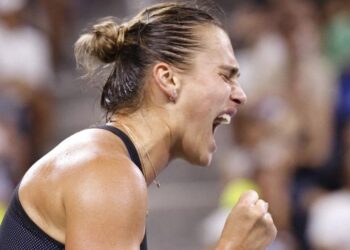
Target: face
209, 96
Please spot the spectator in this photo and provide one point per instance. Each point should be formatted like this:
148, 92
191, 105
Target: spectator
25, 79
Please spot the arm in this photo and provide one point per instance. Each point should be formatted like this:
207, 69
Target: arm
106, 209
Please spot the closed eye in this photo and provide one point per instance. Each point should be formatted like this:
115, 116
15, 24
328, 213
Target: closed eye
232, 71
227, 78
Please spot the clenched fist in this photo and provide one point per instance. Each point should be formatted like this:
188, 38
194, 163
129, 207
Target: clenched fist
249, 226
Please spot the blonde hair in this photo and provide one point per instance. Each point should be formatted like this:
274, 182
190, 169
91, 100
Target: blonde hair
162, 32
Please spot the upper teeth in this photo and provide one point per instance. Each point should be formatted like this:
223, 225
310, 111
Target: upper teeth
224, 119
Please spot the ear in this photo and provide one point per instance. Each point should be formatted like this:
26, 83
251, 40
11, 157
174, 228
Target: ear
164, 77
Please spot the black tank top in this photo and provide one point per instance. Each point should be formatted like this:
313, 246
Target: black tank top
19, 232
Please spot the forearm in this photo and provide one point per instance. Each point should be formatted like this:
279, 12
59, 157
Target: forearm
226, 245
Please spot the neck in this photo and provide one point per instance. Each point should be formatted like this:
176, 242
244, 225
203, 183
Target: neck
151, 137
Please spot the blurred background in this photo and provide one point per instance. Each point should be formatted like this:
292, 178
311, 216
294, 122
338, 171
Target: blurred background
290, 142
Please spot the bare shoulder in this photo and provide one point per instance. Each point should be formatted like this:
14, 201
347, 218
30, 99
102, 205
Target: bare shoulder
89, 153
98, 162
105, 195
87, 187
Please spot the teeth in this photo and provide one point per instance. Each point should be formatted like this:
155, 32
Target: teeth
224, 119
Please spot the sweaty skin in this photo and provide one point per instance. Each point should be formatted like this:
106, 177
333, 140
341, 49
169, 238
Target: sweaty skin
87, 194
87, 202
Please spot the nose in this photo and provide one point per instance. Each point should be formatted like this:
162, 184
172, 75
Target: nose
237, 95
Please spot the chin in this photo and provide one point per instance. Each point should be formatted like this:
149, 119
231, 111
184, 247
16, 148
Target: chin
207, 161
202, 160
199, 155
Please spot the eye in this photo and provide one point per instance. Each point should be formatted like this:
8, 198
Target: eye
226, 78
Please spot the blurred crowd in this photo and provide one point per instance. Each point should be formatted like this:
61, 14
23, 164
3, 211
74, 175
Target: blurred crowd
290, 142
26, 75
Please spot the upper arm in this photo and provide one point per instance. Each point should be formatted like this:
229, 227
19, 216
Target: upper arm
106, 209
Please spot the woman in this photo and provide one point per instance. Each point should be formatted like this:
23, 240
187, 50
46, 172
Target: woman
173, 81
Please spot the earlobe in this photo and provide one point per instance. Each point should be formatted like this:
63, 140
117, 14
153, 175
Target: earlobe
173, 96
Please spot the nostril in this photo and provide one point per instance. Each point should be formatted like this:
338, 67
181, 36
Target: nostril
240, 99
237, 100
238, 96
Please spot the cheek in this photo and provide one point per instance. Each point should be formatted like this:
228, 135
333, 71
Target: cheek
214, 99
202, 99
200, 114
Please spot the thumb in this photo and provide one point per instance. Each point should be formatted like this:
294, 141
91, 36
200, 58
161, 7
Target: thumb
248, 198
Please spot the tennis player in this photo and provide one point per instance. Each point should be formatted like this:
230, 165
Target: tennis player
173, 79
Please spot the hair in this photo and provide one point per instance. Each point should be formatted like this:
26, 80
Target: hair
163, 32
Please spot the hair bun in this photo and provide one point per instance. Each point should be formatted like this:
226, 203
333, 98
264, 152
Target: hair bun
107, 39
102, 43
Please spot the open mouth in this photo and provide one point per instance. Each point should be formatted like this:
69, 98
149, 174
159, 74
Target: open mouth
221, 119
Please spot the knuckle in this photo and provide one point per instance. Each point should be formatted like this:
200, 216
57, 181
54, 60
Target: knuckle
248, 197
265, 220
246, 207
268, 218
262, 205
251, 193
255, 213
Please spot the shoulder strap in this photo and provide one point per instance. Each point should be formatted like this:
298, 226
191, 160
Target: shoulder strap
134, 156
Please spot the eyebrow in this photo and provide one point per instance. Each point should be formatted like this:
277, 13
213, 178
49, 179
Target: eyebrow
233, 70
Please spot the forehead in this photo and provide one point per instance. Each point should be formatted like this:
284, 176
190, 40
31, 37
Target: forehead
217, 49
